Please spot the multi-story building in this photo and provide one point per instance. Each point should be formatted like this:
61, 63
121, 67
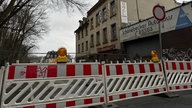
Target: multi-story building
98, 35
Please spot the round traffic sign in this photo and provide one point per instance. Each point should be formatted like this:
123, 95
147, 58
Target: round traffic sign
159, 12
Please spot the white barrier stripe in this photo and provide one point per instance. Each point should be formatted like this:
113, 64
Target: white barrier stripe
118, 97
61, 70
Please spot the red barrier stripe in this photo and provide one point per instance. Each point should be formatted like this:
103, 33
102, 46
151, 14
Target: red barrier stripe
29, 107
135, 94
11, 73
156, 90
86, 69
174, 67
119, 70
131, 69
107, 70
188, 66
122, 96
152, 67
88, 101
160, 68
70, 103
52, 71
142, 68
31, 71
185, 87
110, 98
53, 105
102, 99
181, 66
146, 92
177, 87
100, 69
70, 70
167, 66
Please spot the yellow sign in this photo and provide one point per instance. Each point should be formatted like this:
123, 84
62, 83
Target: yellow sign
154, 55
62, 55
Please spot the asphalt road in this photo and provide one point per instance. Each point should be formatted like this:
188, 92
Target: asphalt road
183, 100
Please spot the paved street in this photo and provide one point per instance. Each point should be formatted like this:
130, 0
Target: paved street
183, 101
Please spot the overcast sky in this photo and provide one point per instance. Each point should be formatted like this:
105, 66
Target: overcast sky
61, 33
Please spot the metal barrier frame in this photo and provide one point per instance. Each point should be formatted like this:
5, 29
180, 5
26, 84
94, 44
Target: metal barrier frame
2, 73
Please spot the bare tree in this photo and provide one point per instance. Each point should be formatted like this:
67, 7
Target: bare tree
21, 32
12, 7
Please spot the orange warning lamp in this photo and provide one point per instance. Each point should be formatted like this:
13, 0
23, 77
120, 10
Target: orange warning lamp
154, 55
62, 55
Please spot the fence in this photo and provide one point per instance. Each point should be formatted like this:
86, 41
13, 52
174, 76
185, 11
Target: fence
88, 84
179, 75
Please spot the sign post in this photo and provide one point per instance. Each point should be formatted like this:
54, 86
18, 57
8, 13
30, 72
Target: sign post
159, 14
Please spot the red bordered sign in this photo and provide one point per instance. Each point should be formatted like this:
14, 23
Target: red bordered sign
159, 12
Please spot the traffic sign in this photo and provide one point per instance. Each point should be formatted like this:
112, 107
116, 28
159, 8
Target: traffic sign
159, 12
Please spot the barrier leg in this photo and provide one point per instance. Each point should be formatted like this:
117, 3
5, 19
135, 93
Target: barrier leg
105, 85
2, 73
168, 94
107, 104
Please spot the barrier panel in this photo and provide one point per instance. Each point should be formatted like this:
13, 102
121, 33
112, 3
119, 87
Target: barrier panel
53, 86
2, 69
125, 81
179, 75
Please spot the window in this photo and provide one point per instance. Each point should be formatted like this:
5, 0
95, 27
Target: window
92, 26
92, 40
104, 35
113, 8
82, 47
79, 48
86, 31
78, 36
86, 46
82, 34
113, 32
97, 19
98, 38
104, 14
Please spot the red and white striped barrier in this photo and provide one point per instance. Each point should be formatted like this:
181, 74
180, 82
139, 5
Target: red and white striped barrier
179, 75
89, 84
52, 71
53, 86
125, 81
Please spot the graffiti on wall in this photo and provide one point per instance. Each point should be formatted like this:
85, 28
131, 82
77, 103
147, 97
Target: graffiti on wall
176, 54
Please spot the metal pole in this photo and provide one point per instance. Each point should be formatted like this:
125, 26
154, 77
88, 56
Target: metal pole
161, 55
137, 6
105, 84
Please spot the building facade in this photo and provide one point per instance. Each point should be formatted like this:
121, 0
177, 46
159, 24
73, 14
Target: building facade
98, 34
176, 33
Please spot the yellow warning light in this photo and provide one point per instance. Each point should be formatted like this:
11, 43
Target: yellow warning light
62, 55
154, 55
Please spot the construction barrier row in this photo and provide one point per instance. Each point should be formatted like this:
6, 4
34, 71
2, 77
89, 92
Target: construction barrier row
89, 84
